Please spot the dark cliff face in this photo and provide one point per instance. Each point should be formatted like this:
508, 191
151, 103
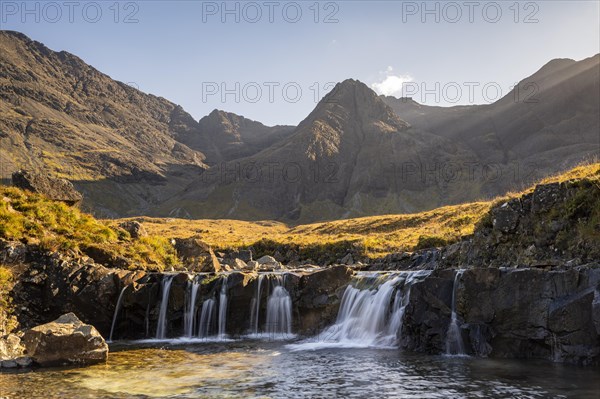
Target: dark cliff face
514, 313
501, 312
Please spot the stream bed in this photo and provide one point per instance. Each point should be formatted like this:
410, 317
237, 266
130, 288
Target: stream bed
253, 368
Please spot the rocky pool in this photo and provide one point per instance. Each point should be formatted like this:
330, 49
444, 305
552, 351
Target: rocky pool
277, 369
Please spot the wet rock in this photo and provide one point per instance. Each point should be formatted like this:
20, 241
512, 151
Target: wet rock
515, 313
319, 297
65, 341
9, 364
427, 315
53, 188
24, 361
135, 229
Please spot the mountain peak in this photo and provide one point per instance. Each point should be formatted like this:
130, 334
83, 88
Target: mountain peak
353, 97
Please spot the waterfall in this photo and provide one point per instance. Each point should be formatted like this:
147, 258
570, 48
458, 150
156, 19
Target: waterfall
279, 310
454, 341
207, 318
190, 308
370, 314
117, 308
223, 309
161, 328
255, 306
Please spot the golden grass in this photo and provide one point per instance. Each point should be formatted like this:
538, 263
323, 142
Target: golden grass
34, 219
373, 237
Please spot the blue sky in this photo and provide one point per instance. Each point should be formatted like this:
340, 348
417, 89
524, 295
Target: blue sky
275, 66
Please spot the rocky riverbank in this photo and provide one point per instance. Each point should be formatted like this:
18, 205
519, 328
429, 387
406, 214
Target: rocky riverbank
525, 284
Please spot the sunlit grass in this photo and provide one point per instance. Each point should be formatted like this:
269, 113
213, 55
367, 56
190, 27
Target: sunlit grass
33, 219
371, 237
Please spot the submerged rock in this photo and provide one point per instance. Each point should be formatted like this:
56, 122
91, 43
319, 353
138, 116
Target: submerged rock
65, 341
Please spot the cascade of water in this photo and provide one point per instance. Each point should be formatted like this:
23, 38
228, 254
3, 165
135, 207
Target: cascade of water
454, 341
161, 328
279, 310
255, 306
223, 309
190, 308
207, 318
117, 308
371, 312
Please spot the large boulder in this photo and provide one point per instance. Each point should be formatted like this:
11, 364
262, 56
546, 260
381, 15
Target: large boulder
268, 263
65, 341
135, 229
197, 255
54, 188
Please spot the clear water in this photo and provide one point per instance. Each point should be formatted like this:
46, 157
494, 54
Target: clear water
258, 369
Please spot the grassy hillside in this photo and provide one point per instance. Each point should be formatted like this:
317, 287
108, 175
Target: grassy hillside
33, 219
369, 236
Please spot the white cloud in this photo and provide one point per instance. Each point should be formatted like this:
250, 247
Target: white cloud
391, 85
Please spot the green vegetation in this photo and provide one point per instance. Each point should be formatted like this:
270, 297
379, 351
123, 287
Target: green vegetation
33, 219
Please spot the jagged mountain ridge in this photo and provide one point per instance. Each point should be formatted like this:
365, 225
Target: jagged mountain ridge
356, 154
225, 136
342, 160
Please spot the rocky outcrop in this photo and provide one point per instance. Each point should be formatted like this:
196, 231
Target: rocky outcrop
65, 341
135, 229
51, 284
54, 188
513, 313
197, 255
553, 225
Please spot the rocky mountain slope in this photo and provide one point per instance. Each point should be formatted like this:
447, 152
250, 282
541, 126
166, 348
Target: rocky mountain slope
124, 149
548, 122
345, 159
356, 154
63, 116
225, 136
